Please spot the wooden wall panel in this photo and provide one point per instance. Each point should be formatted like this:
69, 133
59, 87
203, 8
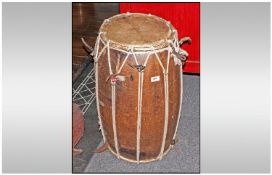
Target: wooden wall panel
87, 19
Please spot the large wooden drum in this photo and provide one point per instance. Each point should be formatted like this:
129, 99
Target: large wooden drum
138, 64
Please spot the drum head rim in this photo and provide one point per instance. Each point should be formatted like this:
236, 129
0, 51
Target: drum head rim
163, 43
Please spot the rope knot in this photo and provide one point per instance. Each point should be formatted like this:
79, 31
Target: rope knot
130, 48
114, 80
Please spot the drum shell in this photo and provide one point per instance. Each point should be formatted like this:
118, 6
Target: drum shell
154, 101
78, 124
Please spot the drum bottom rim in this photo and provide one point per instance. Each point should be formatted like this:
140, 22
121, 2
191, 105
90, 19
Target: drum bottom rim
140, 161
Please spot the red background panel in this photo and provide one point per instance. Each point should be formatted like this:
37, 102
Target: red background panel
185, 17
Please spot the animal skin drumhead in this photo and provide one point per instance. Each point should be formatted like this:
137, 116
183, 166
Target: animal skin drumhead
136, 29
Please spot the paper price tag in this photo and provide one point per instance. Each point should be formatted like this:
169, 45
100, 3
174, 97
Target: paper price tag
156, 78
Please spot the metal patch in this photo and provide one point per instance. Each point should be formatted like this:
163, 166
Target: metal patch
131, 77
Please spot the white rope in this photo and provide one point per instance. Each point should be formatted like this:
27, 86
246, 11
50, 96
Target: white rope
139, 118
109, 61
166, 94
177, 48
123, 64
180, 106
101, 52
134, 56
168, 59
114, 120
97, 98
113, 91
159, 60
142, 51
146, 60
175, 45
96, 47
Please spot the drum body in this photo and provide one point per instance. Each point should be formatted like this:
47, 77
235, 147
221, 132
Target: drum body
78, 125
138, 87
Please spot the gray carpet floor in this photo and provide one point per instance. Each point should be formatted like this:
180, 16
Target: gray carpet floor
92, 136
183, 158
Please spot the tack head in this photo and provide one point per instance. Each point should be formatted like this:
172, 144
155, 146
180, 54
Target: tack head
173, 142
